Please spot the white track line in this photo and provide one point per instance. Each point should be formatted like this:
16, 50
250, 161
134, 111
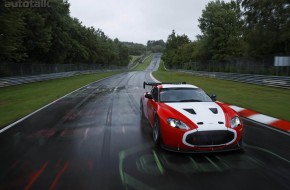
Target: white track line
155, 80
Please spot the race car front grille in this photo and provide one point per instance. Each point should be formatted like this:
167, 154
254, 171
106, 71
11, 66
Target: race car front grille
210, 138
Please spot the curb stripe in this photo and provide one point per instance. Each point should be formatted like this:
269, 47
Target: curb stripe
282, 124
236, 108
263, 118
247, 113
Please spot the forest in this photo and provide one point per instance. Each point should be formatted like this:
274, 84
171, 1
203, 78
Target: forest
238, 30
251, 30
50, 35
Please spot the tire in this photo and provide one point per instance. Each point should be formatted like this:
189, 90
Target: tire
142, 111
156, 132
241, 144
241, 147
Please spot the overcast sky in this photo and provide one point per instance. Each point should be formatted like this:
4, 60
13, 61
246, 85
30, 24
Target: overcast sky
140, 20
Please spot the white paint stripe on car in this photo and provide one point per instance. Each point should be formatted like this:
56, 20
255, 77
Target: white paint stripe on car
203, 114
263, 118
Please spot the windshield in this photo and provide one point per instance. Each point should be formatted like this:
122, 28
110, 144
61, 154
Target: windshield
183, 95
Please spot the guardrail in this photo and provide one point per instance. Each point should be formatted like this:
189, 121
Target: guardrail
11, 81
265, 80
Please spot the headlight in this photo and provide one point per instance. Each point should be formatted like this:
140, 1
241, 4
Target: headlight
177, 124
235, 122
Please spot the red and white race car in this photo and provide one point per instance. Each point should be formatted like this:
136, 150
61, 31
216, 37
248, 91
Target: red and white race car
185, 119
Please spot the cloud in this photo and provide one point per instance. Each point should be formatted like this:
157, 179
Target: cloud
139, 20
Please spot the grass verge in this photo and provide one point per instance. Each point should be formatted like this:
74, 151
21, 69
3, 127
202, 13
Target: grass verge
270, 101
145, 64
18, 101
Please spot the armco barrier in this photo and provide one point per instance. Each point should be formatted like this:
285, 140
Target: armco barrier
11, 81
265, 80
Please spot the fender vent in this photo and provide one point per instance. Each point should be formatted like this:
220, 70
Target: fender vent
214, 110
190, 111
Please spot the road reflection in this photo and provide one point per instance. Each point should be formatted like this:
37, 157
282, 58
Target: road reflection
147, 167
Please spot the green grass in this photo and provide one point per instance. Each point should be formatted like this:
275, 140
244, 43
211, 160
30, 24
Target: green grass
18, 101
271, 101
144, 65
134, 57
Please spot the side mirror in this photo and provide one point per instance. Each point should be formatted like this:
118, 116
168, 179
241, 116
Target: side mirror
149, 96
213, 97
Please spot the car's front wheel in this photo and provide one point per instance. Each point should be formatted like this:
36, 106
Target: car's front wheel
141, 111
156, 132
241, 144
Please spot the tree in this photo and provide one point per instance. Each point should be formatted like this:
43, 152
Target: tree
175, 46
267, 28
220, 25
135, 48
51, 35
155, 46
37, 36
11, 35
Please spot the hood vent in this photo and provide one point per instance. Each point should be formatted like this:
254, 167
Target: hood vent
190, 111
214, 110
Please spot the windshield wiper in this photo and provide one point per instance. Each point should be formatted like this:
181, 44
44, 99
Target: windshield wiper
190, 100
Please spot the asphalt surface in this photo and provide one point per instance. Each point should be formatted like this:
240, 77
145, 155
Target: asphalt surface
93, 139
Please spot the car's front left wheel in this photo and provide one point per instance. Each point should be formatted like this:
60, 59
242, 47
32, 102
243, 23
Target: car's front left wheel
141, 111
156, 132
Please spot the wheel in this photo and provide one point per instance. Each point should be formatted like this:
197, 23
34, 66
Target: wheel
156, 132
241, 147
240, 143
142, 111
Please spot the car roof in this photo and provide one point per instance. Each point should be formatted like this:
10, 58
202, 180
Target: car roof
176, 86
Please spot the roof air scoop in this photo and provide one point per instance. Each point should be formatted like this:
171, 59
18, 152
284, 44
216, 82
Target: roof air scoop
190, 111
214, 110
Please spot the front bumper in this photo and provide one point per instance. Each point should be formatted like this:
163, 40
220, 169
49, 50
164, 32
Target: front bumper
197, 150
195, 141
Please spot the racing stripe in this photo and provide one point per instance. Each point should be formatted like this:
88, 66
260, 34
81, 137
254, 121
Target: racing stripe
204, 116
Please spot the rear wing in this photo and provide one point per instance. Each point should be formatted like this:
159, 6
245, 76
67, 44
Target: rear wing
159, 83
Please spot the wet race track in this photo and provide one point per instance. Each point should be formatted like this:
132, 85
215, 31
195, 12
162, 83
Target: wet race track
93, 139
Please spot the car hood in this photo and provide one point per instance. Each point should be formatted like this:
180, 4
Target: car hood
205, 115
